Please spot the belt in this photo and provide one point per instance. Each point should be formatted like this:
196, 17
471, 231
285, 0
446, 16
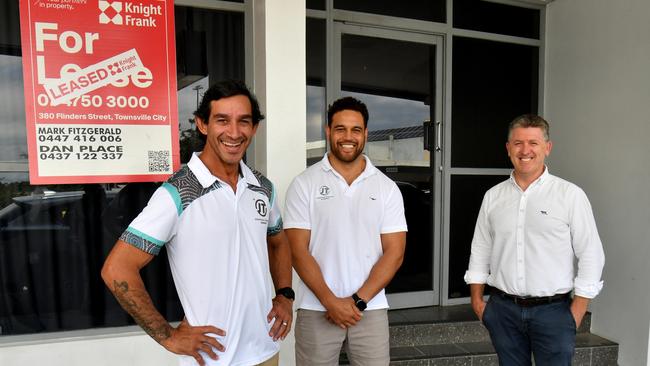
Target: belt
531, 301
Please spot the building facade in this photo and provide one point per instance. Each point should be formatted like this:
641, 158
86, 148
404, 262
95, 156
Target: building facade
442, 79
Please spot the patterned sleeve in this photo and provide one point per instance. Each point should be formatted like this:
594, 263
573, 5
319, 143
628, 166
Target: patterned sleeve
275, 218
155, 225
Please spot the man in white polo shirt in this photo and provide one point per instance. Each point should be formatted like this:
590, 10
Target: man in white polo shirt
345, 222
222, 228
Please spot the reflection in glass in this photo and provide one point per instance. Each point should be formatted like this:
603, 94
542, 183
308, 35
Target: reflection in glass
397, 90
188, 101
316, 113
395, 134
13, 139
316, 92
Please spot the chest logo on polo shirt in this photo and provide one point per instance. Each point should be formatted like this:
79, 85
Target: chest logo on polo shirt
324, 190
260, 207
324, 193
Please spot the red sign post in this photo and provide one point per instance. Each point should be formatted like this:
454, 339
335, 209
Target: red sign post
100, 90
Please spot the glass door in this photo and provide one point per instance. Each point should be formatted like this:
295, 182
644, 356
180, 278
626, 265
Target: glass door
398, 75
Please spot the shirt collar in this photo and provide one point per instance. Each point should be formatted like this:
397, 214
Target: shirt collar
540, 180
206, 178
368, 171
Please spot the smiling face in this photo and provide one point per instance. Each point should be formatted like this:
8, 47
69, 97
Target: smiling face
347, 135
229, 131
527, 149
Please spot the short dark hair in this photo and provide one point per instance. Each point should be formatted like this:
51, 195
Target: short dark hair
530, 120
225, 89
347, 103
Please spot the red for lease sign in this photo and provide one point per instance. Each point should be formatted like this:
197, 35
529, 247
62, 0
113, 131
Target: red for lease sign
100, 90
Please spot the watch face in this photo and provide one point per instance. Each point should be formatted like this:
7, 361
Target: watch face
361, 305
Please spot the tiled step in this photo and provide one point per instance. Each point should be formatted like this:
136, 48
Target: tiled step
452, 336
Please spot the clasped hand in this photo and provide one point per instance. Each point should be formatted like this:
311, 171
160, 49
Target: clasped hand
343, 312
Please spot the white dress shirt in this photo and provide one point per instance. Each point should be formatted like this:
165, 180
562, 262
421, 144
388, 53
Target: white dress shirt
526, 242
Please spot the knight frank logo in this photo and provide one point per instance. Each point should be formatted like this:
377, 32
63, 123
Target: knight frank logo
129, 14
110, 12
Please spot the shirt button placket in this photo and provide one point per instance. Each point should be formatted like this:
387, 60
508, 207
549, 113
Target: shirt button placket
521, 220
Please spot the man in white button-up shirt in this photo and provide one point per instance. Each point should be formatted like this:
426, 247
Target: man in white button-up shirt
529, 231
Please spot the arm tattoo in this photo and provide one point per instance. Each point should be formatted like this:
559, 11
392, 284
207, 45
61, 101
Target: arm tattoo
146, 316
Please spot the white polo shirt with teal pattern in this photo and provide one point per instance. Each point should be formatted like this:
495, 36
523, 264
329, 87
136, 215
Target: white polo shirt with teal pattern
217, 249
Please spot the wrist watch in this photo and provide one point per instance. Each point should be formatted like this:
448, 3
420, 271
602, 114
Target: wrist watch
359, 302
286, 292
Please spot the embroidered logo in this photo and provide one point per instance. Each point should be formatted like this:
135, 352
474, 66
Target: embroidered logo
260, 206
324, 193
543, 212
373, 198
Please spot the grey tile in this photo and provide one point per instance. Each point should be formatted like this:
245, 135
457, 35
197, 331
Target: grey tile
405, 353
410, 363
582, 357
592, 340
458, 332
604, 356
585, 326
477, 348
442, 350
451, 361
485, 360
432, 314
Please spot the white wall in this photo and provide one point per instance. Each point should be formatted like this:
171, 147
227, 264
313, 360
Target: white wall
280, 83
127, 346
598, 104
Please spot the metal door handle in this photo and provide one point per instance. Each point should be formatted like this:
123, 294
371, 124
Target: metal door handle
438, 135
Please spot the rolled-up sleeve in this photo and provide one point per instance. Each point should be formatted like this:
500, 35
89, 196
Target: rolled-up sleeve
587, 247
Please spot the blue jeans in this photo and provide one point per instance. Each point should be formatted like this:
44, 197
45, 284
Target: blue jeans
548, 331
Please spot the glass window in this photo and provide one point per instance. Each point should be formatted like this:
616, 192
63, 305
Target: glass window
316, 92
316, 4
492, 83
209, 48
430, 10
491, 17
398, 92
466, 196
54, 238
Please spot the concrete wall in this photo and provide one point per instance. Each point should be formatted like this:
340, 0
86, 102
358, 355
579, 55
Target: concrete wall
598, 104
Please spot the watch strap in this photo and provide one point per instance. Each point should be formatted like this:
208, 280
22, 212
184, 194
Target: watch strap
286, 292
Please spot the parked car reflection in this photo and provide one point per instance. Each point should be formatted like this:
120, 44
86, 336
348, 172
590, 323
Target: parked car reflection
52, 246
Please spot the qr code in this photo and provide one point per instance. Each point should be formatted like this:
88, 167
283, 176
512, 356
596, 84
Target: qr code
159, 161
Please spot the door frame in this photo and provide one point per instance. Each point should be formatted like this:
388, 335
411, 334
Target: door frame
418, 298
